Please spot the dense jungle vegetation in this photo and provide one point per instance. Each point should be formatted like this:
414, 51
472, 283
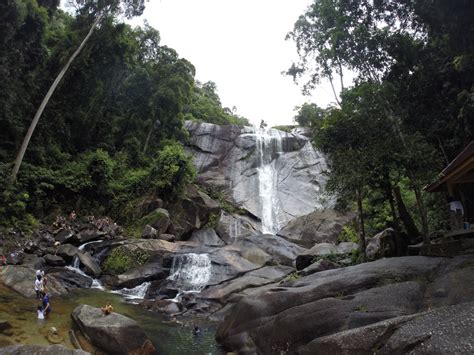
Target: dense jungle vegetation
408, 113
113, 129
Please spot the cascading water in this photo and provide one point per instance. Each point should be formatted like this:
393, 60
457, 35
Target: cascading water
76, 263
190, 272
268, 147
135, 293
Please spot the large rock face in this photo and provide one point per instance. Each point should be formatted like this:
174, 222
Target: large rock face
293, 315
227, 158
114, 333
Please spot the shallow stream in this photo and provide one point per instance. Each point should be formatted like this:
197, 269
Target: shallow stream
168, 338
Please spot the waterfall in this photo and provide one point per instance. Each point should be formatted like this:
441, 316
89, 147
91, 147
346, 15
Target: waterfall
138, 292
76, 263
191, 272
268, 146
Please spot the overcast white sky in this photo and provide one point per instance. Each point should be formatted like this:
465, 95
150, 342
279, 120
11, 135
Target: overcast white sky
240, 45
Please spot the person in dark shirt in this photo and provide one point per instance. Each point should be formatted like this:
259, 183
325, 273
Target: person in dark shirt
46, 304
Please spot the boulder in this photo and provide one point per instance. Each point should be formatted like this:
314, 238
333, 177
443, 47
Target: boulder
192, 213
323, 250
21, 279
382, 245
88, 234
63, 235
137, 276
161, 220
161, 306
206, 236
69, 279
255, 278
54, 260
41, 350
149, 232
290, 316
114, 333
167, 237
231, 228
67, 252
320, 265
4, 325
316, 228
447, 330
90, 265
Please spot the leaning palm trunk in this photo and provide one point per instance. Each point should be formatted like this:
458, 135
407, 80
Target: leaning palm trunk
31, 129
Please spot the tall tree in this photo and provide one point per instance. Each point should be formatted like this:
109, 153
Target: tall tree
96, 10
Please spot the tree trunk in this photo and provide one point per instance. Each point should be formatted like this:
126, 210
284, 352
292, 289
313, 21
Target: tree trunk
362, 228
45, 101
396, 220
421, 208
404, 214
148, 137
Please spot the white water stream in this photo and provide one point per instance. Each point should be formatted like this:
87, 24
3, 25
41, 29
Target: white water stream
76, 263
190, 272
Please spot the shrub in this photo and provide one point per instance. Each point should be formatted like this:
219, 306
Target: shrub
122, 259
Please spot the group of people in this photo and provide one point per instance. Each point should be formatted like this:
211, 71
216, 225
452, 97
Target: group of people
41, 293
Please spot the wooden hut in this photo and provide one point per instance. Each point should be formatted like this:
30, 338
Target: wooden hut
457, 181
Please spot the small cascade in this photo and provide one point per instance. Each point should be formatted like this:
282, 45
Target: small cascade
190, 272
135, 293
76, 263
268, 147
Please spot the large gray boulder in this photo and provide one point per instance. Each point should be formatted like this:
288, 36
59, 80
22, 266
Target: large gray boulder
90, 265
323, 250
22, 279
227, 158
382, 245
69, 279
317, 227
40, 350
207, 236
447, 330
113, 333
233, 227
290, 316
67, 251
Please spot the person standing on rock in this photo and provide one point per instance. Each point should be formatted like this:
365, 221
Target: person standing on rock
38, 286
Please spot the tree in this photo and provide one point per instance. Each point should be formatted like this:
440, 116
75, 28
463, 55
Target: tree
96, 10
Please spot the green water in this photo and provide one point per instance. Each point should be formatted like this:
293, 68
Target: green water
167, 338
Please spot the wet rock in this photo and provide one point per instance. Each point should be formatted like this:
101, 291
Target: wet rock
40, 350
167, 237
90, 265
114, 333
207, 237
137, 276
161, 306
161, 221
382, 245
87, 235
316, 228
69, 279
54, 260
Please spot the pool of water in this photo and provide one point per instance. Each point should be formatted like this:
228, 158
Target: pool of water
168, 338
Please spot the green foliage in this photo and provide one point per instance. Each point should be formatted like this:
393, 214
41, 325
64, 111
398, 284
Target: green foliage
205, 106
172, 170
122, 259
291, 277
348, 234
